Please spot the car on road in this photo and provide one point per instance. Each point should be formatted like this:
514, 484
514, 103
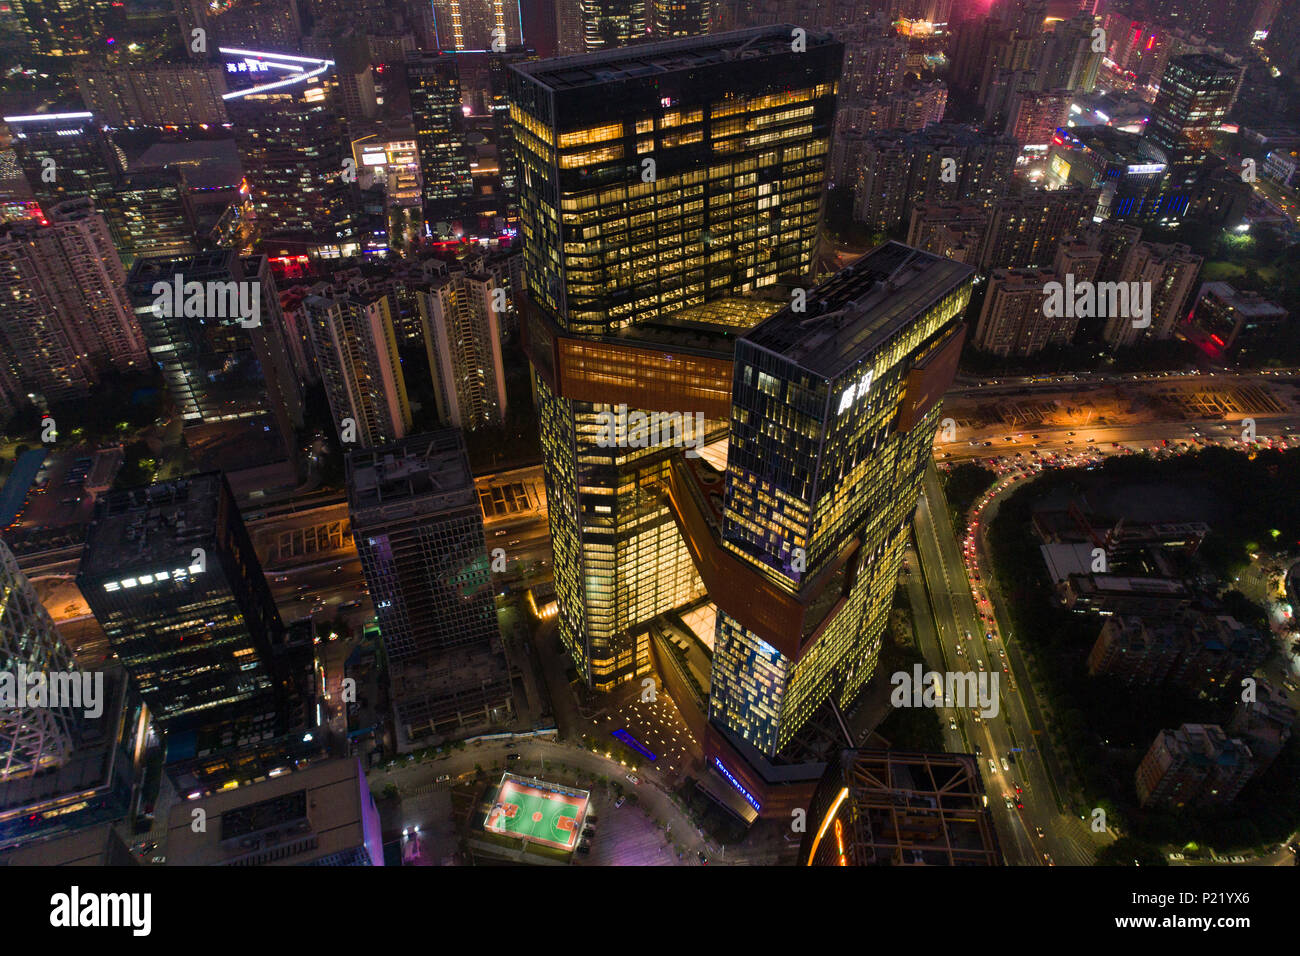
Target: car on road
1011, 804
619, 802
993, 765
704, 860
1019, 789
1047, 858
512, 756
443, 778
1039, 832
1006, 766
952, 723
634, 778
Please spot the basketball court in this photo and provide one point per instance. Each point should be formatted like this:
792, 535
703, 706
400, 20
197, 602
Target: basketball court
538, 811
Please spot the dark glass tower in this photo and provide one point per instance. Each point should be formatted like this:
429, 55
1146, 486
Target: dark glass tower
658, 184
433, 80
170, 573
419, 531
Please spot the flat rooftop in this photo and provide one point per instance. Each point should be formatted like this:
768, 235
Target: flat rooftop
323, 801
158, 523
858, 308
412, 470
657, 59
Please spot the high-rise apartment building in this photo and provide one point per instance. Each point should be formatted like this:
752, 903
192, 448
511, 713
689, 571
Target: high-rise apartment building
1196, 765
659, 183
1014, 321
159, 94
612, 23
1069, 60
1171, 271
67, 27
951, 230
944, 162
355, 344
170, 573
419, 531
461, 316
1025, 230
64, 314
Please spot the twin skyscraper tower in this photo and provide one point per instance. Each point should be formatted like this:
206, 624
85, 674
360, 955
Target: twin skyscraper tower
670, 199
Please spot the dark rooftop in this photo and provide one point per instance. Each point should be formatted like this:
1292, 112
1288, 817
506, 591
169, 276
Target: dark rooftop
858, 308
657, 59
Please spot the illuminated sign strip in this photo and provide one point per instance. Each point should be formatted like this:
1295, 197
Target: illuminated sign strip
47, 116
736, 783
322, 66
826, 822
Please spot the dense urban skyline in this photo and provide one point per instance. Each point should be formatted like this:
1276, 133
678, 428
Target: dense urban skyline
650, 432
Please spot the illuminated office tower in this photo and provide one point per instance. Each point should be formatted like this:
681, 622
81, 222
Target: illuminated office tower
834, 409
170, 573
1196, 92
674, 19
434, 83
462, 336
418, 527
68, 27
32, 739
613, 23
356, 351
64, 315
470, 24
625, 275
291, 148
154, 209
67, 156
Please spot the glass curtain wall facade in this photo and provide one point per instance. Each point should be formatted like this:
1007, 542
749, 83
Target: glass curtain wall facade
829, 439
653, 179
